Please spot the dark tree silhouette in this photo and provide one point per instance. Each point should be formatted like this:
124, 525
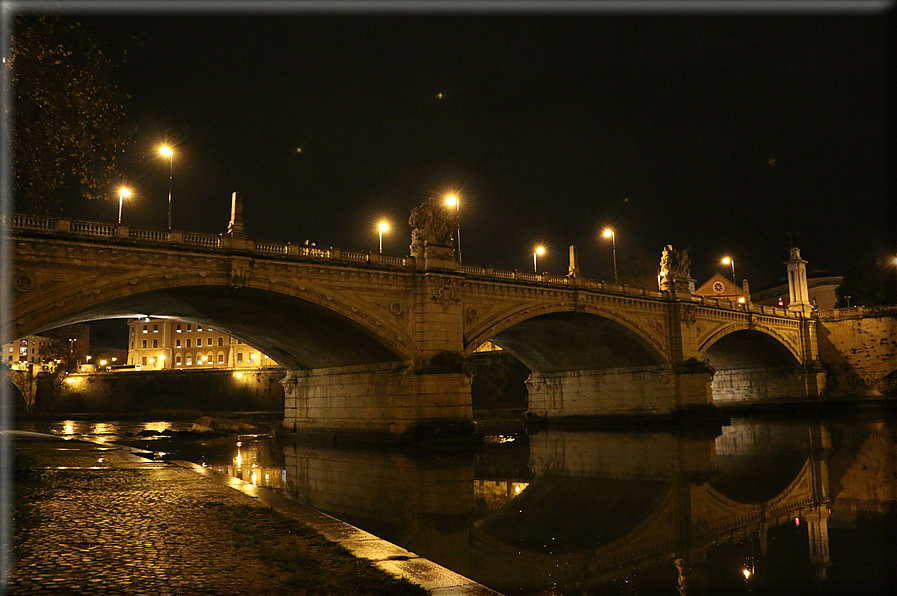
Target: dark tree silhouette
68, 114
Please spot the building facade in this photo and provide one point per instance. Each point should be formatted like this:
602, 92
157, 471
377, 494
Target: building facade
158, 344
29, 350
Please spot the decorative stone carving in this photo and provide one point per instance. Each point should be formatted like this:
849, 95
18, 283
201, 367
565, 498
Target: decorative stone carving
471, 315
396, 309
432, 223
448, 293
689, 315
23, 283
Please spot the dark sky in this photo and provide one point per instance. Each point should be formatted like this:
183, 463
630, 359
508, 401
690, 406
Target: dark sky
719, 132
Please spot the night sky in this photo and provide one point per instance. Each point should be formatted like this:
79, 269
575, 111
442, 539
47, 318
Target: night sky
719, 132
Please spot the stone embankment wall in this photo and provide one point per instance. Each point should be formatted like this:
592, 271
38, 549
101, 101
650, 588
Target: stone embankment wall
133, 391
859, 350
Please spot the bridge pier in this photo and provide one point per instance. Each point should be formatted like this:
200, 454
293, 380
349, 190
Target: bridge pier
645, 390
392, 399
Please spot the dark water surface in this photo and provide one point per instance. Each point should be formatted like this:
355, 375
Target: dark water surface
760, 506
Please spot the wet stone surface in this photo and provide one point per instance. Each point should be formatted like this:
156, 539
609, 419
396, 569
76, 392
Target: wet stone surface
93, 520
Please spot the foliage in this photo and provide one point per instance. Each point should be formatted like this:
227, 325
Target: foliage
68, 113
871, 284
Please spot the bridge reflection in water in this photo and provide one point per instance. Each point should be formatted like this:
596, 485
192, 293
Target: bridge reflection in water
755, 507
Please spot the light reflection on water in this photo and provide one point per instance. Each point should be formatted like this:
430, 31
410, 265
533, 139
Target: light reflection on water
757, 506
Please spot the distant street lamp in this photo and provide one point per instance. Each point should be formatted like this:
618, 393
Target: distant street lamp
383, 227
122, 193
609, 233
455, 202
538, 251
731, 261
166, 151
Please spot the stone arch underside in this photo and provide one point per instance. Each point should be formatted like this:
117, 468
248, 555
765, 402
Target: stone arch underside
751, 365
569, 341
296, 333
748, 348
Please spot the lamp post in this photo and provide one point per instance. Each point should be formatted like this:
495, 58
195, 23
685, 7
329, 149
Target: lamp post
539, 250
609, 233
166, 151
122, 193
383, 227
453, 201
731, 261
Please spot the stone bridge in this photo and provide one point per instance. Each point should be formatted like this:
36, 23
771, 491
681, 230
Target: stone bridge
380, 343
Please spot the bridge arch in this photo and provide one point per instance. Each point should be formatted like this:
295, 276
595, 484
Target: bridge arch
298, 324
566, 336
743, 333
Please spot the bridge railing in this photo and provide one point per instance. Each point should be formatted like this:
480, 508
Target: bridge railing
213, 241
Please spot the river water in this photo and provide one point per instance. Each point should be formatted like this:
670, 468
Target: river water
772, 505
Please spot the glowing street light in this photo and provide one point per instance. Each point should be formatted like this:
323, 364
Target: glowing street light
730, 261
609, 233
383, 227
122, 193
454, 201
539, 250
166, 151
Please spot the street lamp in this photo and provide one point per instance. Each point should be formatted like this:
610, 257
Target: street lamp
122, 193
609, 233
538, 251
166, 151
455, 202
731, 261
383, 227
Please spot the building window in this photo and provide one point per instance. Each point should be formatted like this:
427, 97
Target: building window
220, 357
177, 344
155, 343
198, 342
189, 359
132, 344
143, 361
144, 345
189, 328
178, 329
144, 328
199, 328
188, 343
239, 356
155, 329
177, 359
220, 341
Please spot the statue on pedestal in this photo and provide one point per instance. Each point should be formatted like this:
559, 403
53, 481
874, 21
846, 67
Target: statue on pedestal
432, 224
675, 269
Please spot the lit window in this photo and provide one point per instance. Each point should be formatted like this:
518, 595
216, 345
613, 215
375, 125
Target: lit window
189, 359
178, 330
177, 343
220, 357
239, 356
189, 328
144, 328
155, 329
177, 359
199, 327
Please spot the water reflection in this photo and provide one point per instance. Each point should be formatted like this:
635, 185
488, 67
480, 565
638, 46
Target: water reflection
755, 506
760, 506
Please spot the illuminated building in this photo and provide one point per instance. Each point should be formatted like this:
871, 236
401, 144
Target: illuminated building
157, 344
31, 349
